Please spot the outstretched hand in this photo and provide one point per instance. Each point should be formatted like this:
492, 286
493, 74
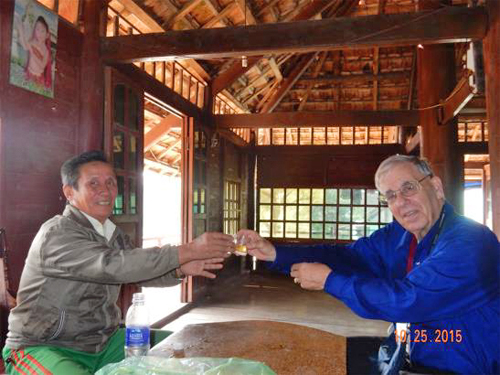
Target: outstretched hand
201, 267
257, 246
208, 245
311, 276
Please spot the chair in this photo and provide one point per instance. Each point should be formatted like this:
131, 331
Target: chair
7, 296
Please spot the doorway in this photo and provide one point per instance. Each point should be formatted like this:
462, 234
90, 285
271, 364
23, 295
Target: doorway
162, 187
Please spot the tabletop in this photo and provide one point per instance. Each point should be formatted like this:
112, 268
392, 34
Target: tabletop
286, 348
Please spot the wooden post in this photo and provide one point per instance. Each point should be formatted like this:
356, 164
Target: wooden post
491, 51
436, 80
92, 77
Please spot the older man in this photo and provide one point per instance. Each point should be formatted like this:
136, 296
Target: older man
432, 271
66, 320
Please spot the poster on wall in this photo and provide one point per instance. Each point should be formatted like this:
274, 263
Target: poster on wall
33, 50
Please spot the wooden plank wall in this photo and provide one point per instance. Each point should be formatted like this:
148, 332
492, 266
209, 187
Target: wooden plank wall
320, 166
36, 135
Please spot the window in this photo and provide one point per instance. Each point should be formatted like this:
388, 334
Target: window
232, 211
473, 131
320, 213
332, 135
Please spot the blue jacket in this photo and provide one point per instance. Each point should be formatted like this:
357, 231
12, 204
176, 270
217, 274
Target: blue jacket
451, 297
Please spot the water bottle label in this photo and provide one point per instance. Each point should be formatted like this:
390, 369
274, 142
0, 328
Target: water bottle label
136, 336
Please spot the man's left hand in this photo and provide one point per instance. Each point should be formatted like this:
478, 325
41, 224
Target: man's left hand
311, 276
201, 267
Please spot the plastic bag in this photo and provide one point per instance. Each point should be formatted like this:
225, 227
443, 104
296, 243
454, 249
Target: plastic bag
185, 366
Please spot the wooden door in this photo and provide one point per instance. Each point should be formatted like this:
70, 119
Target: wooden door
123, 145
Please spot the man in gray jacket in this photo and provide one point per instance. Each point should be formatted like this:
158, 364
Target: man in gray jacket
66, 319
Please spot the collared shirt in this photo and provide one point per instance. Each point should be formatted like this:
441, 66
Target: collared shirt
106, 230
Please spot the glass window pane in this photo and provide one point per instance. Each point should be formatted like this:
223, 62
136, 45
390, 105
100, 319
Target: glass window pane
331, 196
277, 230
202, 208
291, 213
119, 105
132, 153
291, 195
304, 230
133, 110
304, 195
317, 230
118, 150
358, 231
372, 214
119, 208
330, 213
265, 212
132, 189
278, 195
372, 197
317, 196
345, 214
345, 196
370, 229
358, 214
304, 213
305, 136
330, 231
358, 196
344, 232
317, 213
278, 212
202, 196
385, 215
265, 229
278, 136
265, 195
291, 230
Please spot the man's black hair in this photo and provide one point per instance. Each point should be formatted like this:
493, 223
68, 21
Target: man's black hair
70, 170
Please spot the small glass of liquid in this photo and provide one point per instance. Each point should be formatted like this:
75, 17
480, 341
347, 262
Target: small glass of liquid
241, 247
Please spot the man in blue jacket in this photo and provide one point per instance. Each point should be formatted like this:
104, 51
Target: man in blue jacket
433, 272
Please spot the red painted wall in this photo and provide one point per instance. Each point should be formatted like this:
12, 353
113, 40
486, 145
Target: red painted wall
36, 135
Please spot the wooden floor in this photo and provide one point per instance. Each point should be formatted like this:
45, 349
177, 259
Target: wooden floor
270, 296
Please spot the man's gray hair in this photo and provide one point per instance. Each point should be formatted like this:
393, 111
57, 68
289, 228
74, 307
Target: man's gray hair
70, 170
384, 167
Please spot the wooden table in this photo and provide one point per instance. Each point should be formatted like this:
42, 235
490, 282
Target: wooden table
288, 349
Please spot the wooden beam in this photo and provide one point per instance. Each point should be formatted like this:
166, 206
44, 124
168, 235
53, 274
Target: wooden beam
323, 118
232, 73
462, 25
219, 17
288, 82
459, 97
232, 137
246, 12
160, 130
186, 8
315, 73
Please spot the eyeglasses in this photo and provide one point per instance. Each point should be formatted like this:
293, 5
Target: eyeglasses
408, 189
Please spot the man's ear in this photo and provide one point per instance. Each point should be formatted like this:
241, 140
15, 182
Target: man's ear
68, 192
437, 184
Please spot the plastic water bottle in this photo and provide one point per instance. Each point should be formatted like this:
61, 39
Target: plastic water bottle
137, 328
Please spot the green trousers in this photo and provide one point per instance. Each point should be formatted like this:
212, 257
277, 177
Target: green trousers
62, 361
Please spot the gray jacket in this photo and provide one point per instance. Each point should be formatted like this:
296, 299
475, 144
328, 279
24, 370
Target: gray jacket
71, 281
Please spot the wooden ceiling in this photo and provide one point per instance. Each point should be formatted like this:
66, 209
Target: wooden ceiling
370, 77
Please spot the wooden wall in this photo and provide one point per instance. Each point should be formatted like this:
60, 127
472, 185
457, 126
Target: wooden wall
320, 166
37, 135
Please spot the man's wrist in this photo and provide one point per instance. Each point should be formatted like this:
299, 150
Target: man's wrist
179, 275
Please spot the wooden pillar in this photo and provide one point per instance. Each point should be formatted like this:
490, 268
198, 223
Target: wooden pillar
438, 143
91, 129
491, 50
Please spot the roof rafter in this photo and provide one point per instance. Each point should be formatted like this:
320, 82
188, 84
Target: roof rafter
462, 24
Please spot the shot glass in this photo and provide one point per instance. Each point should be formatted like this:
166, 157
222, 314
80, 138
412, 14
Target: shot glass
241, 246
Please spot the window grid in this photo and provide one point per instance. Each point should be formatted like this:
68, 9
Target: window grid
473, 131
232, 204
333, 213
330, 135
